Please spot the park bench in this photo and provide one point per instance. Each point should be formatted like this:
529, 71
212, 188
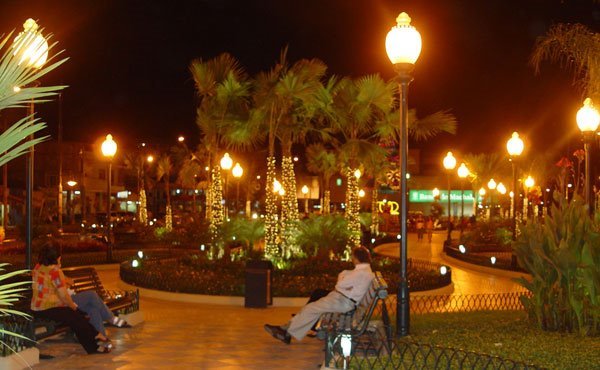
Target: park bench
84, 279
357, 326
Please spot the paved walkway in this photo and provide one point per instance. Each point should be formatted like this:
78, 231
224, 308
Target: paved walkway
203, 336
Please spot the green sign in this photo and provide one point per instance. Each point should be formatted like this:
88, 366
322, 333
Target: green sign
426, 196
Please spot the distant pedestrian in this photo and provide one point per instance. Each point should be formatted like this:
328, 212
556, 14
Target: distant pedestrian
420, 228
429, 228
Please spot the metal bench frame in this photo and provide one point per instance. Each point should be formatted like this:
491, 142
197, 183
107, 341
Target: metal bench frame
333, 326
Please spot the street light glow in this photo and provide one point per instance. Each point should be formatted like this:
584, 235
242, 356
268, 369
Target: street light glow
109, 147
449, 161
226, 162
403, 42
237, 171
30, 46
515, 145
588, 117
304, 189
529, 182
491, 184
463, 171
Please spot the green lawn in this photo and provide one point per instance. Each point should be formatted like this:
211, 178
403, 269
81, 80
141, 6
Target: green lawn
507, 334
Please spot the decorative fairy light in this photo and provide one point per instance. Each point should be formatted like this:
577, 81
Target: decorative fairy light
169, 219
271, 227
217, 213
352, 211
143, 208
289, 209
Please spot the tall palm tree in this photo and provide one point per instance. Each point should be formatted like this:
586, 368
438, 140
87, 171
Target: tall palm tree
284, 99
485, 166
576, 46
223, 91
188, 176
358, 104
135, 162
163, 172
323, 162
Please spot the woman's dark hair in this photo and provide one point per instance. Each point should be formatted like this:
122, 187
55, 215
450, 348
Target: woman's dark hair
49, 253
362, 254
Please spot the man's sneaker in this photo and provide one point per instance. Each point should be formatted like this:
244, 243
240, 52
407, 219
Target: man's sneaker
278, 333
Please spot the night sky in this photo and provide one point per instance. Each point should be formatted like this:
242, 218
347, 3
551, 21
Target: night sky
128, 72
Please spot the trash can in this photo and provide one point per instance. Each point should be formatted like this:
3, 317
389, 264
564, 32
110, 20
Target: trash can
259, 277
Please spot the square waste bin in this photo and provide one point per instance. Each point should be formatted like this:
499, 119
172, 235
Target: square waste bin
259, 277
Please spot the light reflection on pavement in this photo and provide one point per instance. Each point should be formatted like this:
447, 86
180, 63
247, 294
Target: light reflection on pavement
467, 279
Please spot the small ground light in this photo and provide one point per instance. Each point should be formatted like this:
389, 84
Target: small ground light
462, 249
493, 260
82, 225
398, 236
140, 254
443, 270
233, 238
372, 240
346, 344
135, 263
202, 247
94, 226
254, 216
151, 223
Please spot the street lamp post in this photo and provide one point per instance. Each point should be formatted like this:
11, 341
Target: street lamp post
515, 147
226, 163
109, 149
492, 186
449, 165
403, 46
305, 192
32, 49
529, 183
588, 119
237, 172
463, 172
70, 210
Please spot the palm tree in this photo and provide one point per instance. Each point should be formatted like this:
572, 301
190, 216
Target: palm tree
576, 46
322, 161
223, 90
358, 105
135, 161
163, 172
188, 177
284, 99
483, 167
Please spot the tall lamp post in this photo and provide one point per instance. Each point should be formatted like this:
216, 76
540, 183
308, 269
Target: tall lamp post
588, 119
529, 183
237, 172
109, 149
449, 165
32, 49
515, 147
492, 186
463, 172
305, 192
226, 163
403, 46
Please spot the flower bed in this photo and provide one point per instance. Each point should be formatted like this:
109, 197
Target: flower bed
195, 274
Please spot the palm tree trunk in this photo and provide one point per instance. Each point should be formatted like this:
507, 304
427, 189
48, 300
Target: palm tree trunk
352, 211
168, 214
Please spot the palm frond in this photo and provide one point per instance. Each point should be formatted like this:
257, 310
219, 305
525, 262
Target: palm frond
11, 140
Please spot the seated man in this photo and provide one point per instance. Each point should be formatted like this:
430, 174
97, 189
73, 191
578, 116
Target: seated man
351, 286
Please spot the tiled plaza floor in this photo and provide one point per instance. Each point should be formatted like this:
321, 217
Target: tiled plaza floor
193, 336
203, 336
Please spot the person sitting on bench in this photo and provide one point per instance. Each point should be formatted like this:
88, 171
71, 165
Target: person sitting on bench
350, 288
51, 301
91, 303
